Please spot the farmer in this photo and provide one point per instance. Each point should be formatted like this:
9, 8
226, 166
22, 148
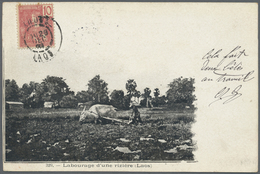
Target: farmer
135, 116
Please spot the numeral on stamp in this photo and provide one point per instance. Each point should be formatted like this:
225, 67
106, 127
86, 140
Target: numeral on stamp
47, 10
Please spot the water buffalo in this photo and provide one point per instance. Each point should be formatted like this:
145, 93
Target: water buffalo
97, 112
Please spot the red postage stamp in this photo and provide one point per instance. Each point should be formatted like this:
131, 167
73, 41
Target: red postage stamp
35, 26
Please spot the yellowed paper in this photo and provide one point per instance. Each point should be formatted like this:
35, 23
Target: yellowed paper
216, 44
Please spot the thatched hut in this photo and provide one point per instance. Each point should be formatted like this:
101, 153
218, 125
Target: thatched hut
10, 105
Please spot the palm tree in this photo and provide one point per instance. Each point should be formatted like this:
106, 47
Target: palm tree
130, 86
146, 94
156, 92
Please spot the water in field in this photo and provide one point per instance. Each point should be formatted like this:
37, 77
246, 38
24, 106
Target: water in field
56, 135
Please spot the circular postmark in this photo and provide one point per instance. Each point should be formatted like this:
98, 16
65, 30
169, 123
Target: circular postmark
39, 38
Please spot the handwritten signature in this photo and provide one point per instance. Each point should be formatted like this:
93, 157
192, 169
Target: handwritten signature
227, 95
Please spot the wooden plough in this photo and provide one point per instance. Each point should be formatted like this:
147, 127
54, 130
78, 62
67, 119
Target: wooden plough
114, 119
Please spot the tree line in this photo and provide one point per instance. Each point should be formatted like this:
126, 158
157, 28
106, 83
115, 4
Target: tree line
54, 89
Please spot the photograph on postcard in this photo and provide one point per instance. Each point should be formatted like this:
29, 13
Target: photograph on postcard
130, 86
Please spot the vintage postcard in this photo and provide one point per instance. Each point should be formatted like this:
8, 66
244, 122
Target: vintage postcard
161, 87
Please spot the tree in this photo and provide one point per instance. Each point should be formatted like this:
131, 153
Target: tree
131, 91
98, 90
162, 100
68, 101
24, 93
55, 88
117, 99
146, 95
11, 90
31, 94
104, 99
83, 96
126, 101
181, 92
155, 100
130, 87
156, 92
143, 103
38, 95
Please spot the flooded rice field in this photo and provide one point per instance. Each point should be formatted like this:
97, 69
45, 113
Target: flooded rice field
58, 136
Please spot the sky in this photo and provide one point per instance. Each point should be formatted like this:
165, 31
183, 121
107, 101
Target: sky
151, 46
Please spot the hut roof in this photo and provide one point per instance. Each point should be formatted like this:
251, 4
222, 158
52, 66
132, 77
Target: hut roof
14, 103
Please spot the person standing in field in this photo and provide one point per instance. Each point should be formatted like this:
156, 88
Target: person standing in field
135, 116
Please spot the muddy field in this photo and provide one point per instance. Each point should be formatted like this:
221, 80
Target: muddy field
56, 135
